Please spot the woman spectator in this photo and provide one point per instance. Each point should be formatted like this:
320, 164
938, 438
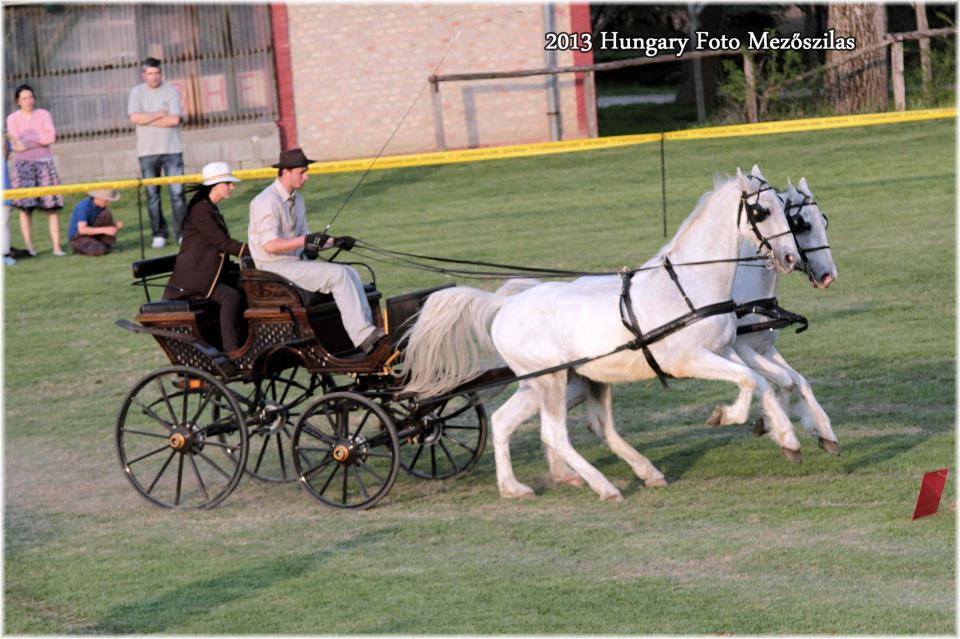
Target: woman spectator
202, 261
31, 132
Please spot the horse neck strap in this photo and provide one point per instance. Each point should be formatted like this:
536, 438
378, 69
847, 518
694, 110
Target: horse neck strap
667, 264
629, 319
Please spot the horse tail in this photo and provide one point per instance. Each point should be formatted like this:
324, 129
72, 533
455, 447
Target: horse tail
450, 342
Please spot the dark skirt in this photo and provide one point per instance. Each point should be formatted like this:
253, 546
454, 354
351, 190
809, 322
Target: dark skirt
31, 173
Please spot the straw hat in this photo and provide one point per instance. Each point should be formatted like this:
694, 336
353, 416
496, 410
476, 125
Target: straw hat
217, 172
110, 195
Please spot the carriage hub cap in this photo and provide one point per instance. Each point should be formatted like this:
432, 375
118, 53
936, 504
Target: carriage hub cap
341, 453
179, 439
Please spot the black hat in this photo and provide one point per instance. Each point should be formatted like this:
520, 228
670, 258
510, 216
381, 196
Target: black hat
292, 159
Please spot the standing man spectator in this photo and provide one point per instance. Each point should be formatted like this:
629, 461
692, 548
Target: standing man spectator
156, 110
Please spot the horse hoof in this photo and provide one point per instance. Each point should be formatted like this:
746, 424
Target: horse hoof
612, 497
655, 483
794, 456
830, 446
715, 417
759, 427
576, 480
517, 492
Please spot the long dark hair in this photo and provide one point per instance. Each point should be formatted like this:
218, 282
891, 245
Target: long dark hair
200, 193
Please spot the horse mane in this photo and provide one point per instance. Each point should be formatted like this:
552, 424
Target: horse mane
719, 182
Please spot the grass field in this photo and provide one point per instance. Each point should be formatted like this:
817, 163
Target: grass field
740, 542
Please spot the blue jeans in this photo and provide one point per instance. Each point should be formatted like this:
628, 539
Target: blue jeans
151, 167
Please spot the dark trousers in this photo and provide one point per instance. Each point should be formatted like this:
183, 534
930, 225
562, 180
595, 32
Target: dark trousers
152, 166
95, 245
230, 301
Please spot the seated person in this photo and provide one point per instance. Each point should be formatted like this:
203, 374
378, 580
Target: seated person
92, 230
202, 261
279, 237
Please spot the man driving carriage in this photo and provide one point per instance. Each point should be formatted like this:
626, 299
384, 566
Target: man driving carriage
279, 240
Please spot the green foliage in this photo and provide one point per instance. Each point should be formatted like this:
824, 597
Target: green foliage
741, 542
778, 96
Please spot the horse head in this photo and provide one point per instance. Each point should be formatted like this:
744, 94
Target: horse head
809, 226
761, 220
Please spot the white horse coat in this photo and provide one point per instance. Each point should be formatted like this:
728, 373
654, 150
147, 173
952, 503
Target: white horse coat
555, 323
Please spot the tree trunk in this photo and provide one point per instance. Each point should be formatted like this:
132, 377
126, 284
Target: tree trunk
862, 84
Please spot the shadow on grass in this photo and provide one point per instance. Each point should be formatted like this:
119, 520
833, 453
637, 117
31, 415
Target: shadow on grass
202, 596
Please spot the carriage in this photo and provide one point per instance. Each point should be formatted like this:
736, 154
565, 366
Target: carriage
296, 402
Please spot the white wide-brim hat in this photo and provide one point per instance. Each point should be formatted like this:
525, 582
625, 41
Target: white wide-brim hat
217, 172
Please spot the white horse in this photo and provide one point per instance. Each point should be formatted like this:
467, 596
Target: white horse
758, 349
461, 331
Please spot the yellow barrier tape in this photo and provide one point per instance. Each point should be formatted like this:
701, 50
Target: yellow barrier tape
519, 150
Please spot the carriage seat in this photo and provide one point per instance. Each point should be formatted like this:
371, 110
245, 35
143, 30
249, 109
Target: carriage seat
266, 289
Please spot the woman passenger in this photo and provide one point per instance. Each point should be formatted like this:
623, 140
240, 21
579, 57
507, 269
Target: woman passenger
202, 261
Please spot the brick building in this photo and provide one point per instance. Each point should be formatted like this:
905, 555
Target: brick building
334, 78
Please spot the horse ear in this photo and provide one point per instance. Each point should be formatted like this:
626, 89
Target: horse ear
755, 172
741, 178
789, 184
803, 185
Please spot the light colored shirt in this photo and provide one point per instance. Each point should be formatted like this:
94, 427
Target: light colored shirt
36, 132
156, 140
274, 213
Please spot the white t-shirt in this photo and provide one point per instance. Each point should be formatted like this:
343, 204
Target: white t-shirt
154, 140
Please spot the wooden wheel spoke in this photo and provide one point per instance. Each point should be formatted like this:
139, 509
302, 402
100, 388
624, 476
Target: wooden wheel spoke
214, 464
263, 449
446, 452
144, 433
166, 399
150, 454
362, 424
283, 460
363, 487
372, 472
330, 479
456, 413
161, 471
149, 412
196, 473
459, 443
416, 457
176, 499
312, 472
203, 404
460, 426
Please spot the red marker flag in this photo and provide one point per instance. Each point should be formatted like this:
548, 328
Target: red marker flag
930, 490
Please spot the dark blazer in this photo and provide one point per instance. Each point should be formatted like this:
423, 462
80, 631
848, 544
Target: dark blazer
202, 259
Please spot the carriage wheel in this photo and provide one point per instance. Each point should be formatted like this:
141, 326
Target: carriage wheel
451, 439
181, 438
276, 404
345, 451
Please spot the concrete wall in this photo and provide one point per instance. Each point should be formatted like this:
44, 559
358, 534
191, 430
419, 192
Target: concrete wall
246, 146
358, 67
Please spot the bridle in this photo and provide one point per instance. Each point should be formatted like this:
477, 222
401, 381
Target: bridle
799, 226
757, 213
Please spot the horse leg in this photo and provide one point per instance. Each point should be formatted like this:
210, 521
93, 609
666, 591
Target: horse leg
811, 412
709, 365
553, 431
600, 416
559, 470
521, 406
772, 371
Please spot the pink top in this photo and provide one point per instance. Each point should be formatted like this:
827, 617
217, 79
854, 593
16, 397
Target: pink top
35, 132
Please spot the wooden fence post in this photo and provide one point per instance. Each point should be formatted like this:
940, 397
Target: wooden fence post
925, 66
896, 64
751, 91
437, 114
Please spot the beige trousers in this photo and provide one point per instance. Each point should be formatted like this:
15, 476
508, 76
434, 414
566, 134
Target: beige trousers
329, 277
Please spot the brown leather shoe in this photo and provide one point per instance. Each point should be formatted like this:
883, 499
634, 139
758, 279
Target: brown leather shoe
372, 341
